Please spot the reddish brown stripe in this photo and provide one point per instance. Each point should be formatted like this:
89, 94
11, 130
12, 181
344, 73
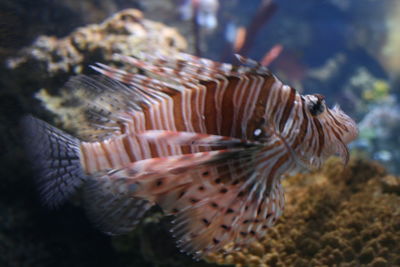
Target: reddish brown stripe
85, 158
147, 121
258, 114
276, 106
210, 110
340, 125
303, 128
148, 126
177, 111
266, 149
227, 108
288, 109
177, 108
108, 157
278, 164
321, 136
127, 78
125, 141
336, 134
246, 79
333, 128
197, 95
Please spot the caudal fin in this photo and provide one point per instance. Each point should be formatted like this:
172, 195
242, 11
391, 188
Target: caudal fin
56, 158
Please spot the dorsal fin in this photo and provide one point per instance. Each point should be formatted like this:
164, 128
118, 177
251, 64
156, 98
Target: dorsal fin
112, 98
106, 103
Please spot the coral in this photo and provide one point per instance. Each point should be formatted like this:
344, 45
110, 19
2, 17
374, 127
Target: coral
50, 61
22, 21
379, 91
379, 134
333, 217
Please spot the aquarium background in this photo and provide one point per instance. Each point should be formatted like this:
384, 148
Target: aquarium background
345, 50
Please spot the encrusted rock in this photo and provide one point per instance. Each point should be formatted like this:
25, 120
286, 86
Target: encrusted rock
49, 62
333, 217
391, 184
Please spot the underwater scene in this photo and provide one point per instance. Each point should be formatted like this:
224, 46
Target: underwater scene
178, 133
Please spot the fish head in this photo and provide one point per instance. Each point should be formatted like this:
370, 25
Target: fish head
334, 126
332, 118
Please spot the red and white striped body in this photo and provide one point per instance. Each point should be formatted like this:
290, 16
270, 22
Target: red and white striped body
206, 141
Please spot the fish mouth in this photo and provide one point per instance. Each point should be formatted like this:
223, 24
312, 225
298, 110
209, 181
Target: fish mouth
352, 132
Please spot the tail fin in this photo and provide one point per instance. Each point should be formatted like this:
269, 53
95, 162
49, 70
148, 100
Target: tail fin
56, 158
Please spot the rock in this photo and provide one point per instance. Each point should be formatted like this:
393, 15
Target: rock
50, 61
334, 216
391, 184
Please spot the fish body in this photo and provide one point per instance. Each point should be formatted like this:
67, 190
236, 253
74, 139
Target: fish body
208, 142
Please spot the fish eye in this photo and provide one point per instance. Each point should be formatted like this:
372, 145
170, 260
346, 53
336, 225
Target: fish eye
257, 132
316, 106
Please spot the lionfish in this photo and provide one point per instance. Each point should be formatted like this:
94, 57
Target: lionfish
208, 142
